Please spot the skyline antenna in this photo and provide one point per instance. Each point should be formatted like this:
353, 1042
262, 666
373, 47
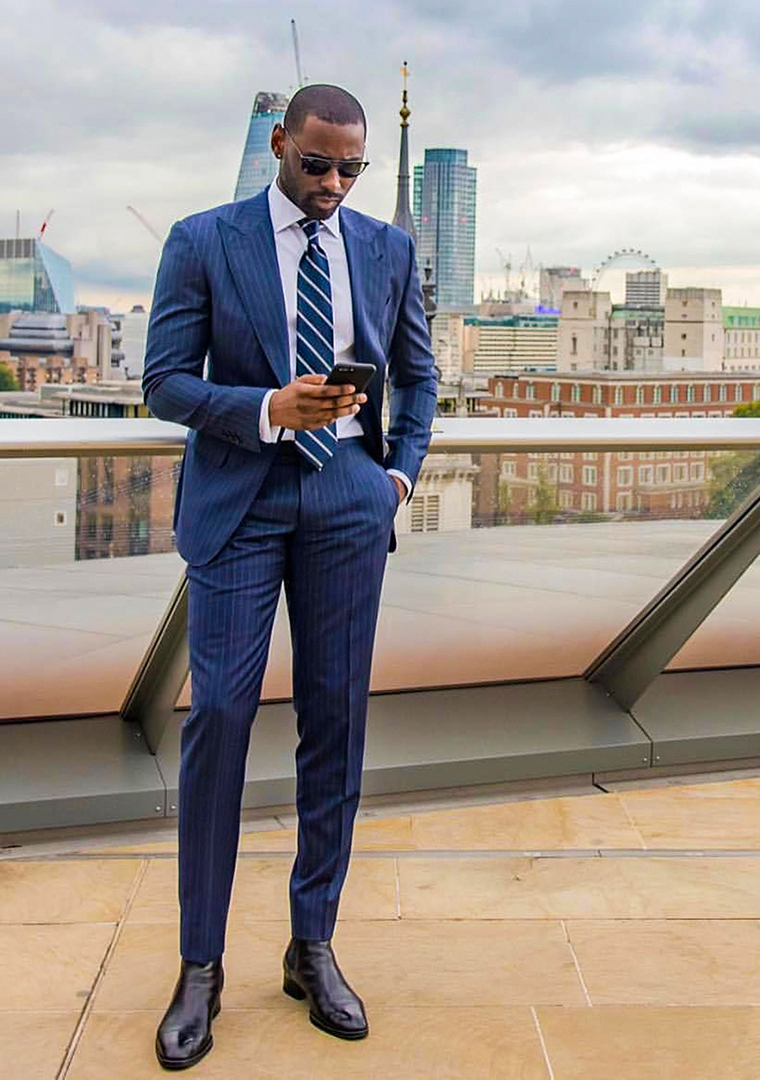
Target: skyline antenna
297, 51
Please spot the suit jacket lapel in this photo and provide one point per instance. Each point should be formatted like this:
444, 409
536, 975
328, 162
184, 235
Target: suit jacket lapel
366, 268
252, 260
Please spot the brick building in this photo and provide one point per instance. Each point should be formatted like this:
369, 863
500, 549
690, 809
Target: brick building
543, 487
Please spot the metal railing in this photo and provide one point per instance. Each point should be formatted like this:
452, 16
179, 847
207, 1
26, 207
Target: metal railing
85, 437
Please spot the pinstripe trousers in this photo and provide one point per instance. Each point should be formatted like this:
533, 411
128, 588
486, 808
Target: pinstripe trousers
324, 535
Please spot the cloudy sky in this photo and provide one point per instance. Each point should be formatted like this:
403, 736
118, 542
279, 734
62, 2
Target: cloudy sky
595, 125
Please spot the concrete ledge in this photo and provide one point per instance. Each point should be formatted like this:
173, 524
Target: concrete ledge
74, 772
694, 716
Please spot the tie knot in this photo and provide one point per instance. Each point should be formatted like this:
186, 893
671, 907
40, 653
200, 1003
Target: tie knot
311, 228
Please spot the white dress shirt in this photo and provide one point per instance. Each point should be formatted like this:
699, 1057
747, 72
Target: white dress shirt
290, 244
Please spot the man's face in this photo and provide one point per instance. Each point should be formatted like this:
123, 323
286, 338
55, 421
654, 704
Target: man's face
318, 196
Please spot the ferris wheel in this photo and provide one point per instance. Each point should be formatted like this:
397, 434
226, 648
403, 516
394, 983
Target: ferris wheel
631, 257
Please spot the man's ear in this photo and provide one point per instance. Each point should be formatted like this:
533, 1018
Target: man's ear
278, 140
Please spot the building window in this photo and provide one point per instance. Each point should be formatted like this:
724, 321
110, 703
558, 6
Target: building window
499, 389
588, 500
656, 395
697, 470
530, 392
674, 393
690, 393
589, 475
533, 470
106, 528
646, 474
59, 518
596, 395
556, 391
576, 393
535, 414
639, 395
624, 502
662, 474
738, 392
566, 474
425, 515
574, 344
706, 392
680, 473
508, 469
92, 527
618, 395
566, 499
625, 476
723, 392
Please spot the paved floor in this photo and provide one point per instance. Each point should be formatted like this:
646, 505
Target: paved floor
594, 936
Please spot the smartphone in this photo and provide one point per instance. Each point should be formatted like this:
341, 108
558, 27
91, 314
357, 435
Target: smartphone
356, 374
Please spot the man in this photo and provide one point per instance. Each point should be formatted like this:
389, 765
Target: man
285, 480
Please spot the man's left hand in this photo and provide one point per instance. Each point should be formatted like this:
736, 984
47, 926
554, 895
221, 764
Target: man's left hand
400, 487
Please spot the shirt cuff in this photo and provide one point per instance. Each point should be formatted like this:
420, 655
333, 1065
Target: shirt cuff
403, 478
268, 433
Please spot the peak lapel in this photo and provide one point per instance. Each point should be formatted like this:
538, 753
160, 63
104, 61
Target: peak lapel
252, 259
368, 277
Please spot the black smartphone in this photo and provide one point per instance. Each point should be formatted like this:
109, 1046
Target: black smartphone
358, 375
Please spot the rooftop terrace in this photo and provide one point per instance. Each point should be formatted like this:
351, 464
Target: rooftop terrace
564, 933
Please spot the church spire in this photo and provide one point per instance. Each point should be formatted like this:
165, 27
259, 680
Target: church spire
403, 215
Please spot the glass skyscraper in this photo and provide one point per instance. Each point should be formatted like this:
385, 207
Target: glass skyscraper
35, 278
444, 214
259, 165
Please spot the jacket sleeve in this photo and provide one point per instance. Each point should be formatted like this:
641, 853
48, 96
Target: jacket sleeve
413, 380
178, 339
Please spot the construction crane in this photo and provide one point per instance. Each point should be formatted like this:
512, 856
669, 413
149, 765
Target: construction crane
526, 268
297, 51
45, 224
146, 224
506, 263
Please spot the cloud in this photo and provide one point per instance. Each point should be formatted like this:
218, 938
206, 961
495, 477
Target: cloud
594, 125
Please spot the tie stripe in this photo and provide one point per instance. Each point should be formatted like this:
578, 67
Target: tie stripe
315, 342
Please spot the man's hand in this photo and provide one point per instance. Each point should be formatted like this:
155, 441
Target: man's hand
400, 487
307, 404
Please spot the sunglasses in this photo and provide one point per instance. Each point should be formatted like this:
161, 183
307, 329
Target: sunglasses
313, 165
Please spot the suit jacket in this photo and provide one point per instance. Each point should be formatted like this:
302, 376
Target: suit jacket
218, 294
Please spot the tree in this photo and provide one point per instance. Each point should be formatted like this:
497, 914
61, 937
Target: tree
543, 508
7, 378
734, 475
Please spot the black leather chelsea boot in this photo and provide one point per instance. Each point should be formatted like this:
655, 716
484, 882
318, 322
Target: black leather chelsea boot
184, 1034
312, 973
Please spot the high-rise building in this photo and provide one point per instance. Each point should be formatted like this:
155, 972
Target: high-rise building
34, 278
645, 288
259, 165
444, 213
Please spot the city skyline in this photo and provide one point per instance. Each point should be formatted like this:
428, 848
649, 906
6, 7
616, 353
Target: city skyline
647, 136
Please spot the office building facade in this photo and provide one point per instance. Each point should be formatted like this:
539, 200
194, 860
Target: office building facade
444, 214
34, 278
259, 165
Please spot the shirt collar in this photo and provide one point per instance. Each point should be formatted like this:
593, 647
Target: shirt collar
285, 213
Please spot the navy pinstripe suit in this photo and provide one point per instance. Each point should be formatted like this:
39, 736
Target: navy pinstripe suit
251, 516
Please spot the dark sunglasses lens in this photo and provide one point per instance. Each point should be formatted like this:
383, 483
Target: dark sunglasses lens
351, 168
315, 166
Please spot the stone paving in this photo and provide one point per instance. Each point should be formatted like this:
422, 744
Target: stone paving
594, 936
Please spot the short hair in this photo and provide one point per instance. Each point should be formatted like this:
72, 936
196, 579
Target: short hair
329, 103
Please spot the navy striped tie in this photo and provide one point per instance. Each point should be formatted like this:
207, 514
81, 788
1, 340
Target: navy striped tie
315, 351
